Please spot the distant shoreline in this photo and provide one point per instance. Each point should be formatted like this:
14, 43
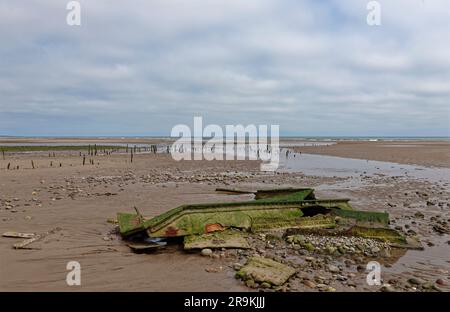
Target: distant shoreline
165, 139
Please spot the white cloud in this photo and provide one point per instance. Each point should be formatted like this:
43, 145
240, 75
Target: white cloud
313, 67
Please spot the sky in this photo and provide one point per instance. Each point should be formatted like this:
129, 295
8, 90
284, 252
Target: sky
140, 67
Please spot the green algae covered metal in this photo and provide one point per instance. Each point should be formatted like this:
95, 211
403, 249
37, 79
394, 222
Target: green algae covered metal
279, 208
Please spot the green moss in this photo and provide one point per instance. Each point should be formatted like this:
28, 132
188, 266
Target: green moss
129, 223
387, 235
381, 218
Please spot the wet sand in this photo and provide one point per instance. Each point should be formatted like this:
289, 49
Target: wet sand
74, 202
426, 153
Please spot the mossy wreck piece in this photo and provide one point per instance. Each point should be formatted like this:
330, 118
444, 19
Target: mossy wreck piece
284, 208
264, 270
225, 239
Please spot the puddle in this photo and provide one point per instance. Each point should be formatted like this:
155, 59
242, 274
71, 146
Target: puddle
332, 166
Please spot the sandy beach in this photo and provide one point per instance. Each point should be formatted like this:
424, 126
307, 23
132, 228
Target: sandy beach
70, 203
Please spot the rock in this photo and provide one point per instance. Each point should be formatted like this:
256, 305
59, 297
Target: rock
427, 285
309, 259
273, 237
375, 250
309, 283
351, 284
441, 229
251, 283
415, 281
298, 239
213, 270
441, 282
308, 246
387, 288
341, 278
333, 269
266, 270
206, 252
436, 288
331, 250
349, 263
386, 253
265, 285
237, 266
360, 268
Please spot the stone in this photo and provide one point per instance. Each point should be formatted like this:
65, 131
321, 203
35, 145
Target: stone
308, 246
441, 282
251, 283
415, 281
333, 269
387, 288
262, 269
331, 250
375, 250
207, 252
309, 283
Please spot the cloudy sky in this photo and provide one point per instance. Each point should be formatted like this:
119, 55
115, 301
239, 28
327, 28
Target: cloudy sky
139, 67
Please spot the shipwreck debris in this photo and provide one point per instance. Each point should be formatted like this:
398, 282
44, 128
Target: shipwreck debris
18, 235
295, 209
292, 219
264, 270
30, 238
24, 244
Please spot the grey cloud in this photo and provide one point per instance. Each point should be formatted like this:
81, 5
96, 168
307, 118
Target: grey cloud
140, 67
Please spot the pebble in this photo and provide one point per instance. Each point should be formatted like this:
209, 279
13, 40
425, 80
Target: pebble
375, 250
206, 252
441, 282
251, 283
415, 281
387, 288
333, 269
309, 284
